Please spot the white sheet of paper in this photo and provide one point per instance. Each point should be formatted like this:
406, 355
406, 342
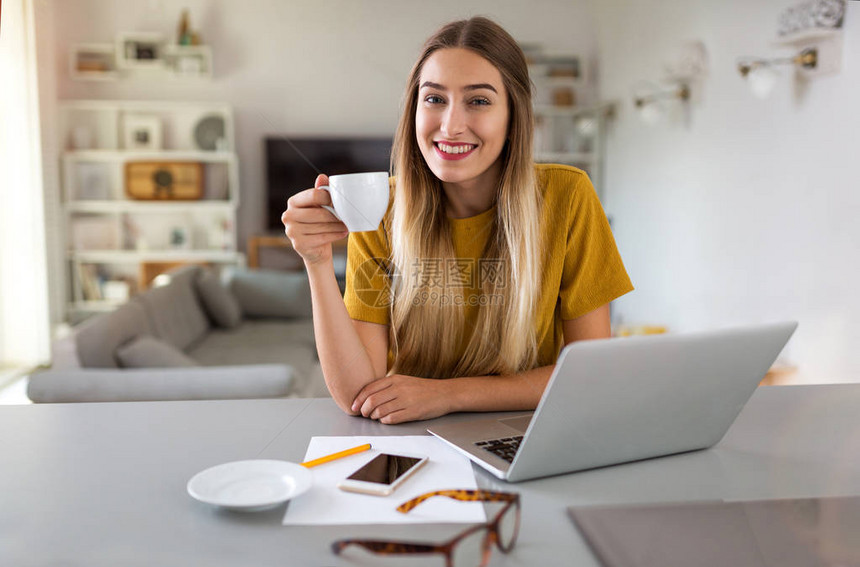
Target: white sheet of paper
326, 504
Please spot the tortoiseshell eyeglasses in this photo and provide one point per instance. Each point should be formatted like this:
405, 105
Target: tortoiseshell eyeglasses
471, 548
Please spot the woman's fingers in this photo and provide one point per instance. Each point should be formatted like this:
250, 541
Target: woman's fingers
310, 227
386, 408
310, 221
374, 401
296, 231
399, 398
315, 215
371, 389
396, 416
309, 198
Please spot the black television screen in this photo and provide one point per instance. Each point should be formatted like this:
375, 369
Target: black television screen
293, 164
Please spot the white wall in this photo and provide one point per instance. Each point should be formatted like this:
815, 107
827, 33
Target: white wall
748, 212
297, 67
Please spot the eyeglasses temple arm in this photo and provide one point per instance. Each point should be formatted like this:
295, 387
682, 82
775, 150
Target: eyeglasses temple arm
464, 495
386, 547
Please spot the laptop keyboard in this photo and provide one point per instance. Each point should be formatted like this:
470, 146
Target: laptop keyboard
505, 447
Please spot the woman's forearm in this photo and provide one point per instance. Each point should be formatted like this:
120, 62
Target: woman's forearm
513, 392
398, 398
345, 363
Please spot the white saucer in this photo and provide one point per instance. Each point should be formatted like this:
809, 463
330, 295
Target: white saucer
250, 485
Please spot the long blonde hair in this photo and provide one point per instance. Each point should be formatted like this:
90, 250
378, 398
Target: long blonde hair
426, 337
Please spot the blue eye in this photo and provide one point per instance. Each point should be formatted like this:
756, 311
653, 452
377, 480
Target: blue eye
480, 102
433, 99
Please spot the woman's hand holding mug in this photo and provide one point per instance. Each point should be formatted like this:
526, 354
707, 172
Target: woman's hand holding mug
354, 202
311, 228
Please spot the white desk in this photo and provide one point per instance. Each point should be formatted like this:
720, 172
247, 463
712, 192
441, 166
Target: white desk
104, 484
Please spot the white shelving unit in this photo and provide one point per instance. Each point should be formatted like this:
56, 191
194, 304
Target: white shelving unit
114, 241
569, 127
110, 62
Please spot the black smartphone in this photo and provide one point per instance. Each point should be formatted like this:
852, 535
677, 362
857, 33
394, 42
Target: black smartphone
382, 474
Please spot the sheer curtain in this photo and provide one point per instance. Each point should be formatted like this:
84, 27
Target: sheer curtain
24, 310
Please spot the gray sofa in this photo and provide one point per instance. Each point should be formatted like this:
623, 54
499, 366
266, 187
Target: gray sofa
192, 337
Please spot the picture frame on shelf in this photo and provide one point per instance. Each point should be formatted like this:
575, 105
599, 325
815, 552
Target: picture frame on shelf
141, 132
140, 50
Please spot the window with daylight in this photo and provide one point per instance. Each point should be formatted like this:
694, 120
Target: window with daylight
24, 320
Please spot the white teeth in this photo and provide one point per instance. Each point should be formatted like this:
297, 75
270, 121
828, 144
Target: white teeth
455, 149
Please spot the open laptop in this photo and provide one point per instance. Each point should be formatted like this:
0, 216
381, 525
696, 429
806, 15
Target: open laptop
618, 400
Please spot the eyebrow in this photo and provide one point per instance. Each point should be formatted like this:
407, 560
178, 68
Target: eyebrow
476, 87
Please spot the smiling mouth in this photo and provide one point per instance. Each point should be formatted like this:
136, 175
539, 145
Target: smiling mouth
453, 152
454, 149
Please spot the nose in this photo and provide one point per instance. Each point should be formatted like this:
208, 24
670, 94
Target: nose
453, 121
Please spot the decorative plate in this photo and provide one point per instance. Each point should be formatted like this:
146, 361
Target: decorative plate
208, 131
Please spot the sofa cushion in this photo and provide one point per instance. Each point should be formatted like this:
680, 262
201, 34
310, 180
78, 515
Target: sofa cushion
218, 302
268, 293
174, 310
149, 352
262, 341
97, 339
145, 384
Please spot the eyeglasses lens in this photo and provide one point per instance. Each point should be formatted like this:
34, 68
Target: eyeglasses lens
508, 527
472, 550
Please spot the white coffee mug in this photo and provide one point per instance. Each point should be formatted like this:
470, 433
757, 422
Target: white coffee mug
359, 199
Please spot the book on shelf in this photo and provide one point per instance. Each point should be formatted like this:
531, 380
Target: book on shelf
90, 285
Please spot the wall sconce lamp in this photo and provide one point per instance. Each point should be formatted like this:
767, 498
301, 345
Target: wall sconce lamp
670, 96
682, 92
808, 59
652, 105
762, 76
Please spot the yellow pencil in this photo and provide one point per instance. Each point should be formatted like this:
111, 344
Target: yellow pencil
337, 455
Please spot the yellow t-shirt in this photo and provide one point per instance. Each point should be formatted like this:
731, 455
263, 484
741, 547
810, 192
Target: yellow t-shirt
582, 269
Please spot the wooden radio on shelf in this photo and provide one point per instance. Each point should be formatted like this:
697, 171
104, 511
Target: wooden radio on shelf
164, 180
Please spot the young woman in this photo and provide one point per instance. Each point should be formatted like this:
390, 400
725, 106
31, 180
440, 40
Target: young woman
485, 264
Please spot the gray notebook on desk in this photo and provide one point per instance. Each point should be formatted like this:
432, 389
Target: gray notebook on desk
804, 532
